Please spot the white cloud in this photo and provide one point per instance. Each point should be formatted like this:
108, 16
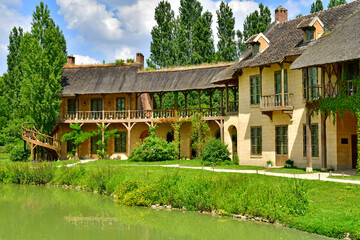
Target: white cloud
294, 7
9, 18
85, 60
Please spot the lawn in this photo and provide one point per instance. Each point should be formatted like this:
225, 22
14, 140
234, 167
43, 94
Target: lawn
291, 170
347, 177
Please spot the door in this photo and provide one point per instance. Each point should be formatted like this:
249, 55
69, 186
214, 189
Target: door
281, 145
278, 87
354, 150
96, 108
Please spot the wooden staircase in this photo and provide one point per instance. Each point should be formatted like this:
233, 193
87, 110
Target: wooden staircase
34, 138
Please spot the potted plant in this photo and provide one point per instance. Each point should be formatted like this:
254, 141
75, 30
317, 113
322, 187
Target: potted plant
289, 163
269, 163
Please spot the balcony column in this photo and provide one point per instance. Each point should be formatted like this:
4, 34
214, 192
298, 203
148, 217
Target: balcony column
322, 82
323, 143
227, 96
308, 141
222, 101
199, 102
282, 85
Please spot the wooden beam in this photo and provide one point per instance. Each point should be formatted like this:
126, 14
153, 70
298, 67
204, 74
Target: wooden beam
323, 143
282, 85
222, 100
199, 102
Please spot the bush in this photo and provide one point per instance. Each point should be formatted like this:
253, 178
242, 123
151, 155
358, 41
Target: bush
119, 62
153, 149
289, 163
18, 154
215, 152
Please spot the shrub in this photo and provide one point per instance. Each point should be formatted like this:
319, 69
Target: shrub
18, 154
215, 152
119, 62
289, 163
153, 149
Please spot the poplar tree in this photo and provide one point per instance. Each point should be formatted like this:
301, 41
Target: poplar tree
257, 22
241, 46
44, 55
226, 33
334, 3
189, 13
162, 45
316, 6
204, 50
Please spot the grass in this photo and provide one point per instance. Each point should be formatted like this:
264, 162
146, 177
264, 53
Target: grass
291, 170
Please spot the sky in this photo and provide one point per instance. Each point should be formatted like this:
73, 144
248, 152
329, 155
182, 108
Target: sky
98, 30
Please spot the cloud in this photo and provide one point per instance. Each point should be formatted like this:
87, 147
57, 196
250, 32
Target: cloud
9, 18
85, 60
295, 7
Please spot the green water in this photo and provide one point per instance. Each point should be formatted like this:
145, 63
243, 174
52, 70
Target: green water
35, 212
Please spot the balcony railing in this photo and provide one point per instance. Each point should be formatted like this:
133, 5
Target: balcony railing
274, 102
331, 90
140, 114
233, 107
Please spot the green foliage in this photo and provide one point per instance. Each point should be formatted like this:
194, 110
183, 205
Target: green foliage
130, 60
289, 163
153, 149
299, 15
199, 133
43, 51
257, 22
19, 154
241, 46
334, 3
226, 33
215, 152
119, 62
316, 6
76, 137
104, 136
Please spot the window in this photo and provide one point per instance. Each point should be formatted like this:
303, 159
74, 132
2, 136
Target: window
96, 108
120, 104
281, 140
71, 106
70, 146
311, 88
314, 140
255, 89
256, 48
278, 88
309, 34
256, 140
94, 146
120, 142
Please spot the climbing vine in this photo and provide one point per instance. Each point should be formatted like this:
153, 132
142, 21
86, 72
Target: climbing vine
338, 105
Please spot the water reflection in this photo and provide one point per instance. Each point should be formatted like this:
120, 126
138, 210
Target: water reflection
33, 212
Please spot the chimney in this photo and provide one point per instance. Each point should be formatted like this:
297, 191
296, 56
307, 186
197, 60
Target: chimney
281, 14
140, 59
71, 60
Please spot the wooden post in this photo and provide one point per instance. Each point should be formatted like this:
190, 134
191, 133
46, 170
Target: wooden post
77, 107
129, 105
176, 95
103, 107
260, 76
323, 143
322, 82
282, 85
308, 141
222, 101
227, 96
199, 102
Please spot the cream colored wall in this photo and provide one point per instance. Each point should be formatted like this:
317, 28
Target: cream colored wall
251, 116
263, 44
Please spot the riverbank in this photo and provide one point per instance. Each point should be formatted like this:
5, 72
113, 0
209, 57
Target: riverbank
325, 208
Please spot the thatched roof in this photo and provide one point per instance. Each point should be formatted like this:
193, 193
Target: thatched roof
340, 45
287, 40
128, 79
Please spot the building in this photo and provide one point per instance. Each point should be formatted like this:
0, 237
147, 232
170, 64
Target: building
272, 115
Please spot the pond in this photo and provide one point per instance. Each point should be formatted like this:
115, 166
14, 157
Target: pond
38, 212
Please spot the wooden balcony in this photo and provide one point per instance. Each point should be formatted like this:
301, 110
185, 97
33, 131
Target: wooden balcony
276, 102
331, 90
138, 115
233, 107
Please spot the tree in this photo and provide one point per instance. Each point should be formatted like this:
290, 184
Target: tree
226, 33
316, 6
299, 15
162, 45
256, 22
103, 136
44, 55
203, 40
189, 13
199, 132
334, 3
241, 46
76, 137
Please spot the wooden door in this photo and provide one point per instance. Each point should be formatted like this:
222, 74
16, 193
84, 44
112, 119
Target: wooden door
281, 145
354, 150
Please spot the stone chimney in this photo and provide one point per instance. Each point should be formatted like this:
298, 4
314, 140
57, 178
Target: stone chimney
71, 60
281, 14
140, 59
